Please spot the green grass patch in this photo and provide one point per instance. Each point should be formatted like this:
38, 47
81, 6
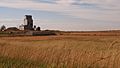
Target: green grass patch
6, 62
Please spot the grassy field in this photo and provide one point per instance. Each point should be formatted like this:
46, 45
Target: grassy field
60, 52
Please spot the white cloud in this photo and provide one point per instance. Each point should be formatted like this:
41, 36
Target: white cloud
109, 9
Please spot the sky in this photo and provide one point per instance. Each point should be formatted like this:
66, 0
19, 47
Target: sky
68, 15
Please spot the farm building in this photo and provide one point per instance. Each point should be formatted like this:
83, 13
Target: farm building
28, 23
26, 29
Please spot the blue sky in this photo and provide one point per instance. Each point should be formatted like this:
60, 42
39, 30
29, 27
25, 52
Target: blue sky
72, 15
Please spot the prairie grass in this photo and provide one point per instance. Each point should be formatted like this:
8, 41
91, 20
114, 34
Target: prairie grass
60, 52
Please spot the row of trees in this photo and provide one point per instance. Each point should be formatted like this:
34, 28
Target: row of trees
37, 28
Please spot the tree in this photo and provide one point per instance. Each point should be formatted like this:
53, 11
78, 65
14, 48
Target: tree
2, 28
34, 27
38, 29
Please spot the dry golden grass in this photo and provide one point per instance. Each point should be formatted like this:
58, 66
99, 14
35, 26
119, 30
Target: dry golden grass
60, 52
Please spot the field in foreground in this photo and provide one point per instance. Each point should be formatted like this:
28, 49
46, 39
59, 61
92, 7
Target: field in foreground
60, 52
